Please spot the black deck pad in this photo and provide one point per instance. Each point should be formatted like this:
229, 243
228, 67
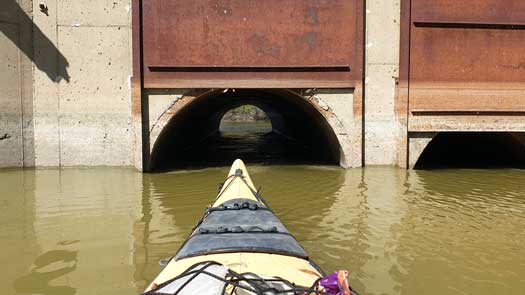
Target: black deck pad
239, 226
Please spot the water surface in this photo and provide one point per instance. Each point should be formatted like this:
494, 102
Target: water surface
103, 230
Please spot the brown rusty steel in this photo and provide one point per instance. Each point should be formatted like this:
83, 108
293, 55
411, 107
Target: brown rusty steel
248, 43
489, 12
464, 56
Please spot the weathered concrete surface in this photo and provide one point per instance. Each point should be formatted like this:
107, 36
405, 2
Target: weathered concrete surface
381, 127
16, 83
467, 123
26, 80
46, 108
95, 105
382, 64
417, 142
83, 115
64, 76
11, 144
94, 13
163, 104
347, 128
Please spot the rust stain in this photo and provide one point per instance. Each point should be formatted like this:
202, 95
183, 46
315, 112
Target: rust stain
136, 108
205, 27
310, 39
222, 10
519, 66
311, 95
261, 44
312, 15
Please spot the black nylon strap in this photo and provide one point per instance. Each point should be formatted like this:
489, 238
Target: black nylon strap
238, 230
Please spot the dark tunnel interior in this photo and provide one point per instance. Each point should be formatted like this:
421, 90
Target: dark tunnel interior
299, 133
473, 150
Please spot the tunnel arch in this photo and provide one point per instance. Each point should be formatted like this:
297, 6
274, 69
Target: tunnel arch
191, 121
473, 150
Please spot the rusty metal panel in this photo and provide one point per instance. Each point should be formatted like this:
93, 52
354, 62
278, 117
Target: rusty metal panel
460, 55
470, 11
250, 43
467, 56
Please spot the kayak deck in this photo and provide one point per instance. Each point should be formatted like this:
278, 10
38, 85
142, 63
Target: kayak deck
240, 232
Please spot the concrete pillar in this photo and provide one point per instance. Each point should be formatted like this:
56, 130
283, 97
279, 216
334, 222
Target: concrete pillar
382, 66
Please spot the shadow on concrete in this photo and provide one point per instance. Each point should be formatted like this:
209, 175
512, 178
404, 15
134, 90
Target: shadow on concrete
473, 150
51, 60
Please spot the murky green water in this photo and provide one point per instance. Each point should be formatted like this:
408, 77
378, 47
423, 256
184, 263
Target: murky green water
103, 230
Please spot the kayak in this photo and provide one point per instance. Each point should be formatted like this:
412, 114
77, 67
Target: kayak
241, 247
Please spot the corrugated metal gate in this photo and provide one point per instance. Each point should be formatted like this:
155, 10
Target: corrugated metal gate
248, 43
463, 57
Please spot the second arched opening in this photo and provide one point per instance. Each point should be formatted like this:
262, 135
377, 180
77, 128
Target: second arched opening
474, 150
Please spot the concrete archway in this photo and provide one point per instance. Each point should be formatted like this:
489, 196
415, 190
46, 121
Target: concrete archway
473, 150
303, 123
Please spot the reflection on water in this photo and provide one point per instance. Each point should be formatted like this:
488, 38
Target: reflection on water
47, 267
103, 230
68, 231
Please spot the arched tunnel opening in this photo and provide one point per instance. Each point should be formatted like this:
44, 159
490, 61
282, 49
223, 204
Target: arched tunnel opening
475, 150
203, 134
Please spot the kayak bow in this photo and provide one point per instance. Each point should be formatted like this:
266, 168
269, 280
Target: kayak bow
242, 234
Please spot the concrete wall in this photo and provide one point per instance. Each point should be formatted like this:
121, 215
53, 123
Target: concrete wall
382, 66
10, 113
15, 84
81, 94
64, 76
